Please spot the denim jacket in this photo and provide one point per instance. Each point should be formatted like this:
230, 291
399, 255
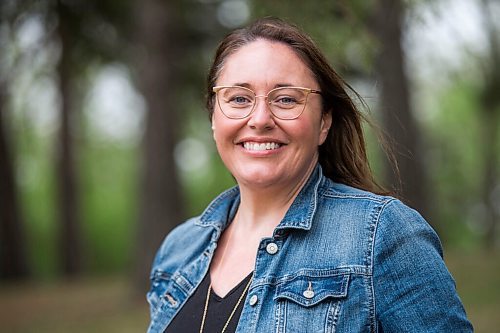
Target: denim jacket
341, 260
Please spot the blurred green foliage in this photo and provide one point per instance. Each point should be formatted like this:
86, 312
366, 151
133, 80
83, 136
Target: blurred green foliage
455, 160
109, 169
109, 205
109, 181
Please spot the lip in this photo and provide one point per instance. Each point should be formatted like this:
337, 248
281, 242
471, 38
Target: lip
260, 140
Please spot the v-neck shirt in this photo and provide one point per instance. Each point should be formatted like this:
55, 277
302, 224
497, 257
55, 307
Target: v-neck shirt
219, 309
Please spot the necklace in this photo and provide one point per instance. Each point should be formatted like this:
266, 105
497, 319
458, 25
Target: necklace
232, 312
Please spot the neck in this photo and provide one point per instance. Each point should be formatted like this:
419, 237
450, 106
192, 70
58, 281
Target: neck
262, 209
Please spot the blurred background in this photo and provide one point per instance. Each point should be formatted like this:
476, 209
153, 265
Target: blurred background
105, 144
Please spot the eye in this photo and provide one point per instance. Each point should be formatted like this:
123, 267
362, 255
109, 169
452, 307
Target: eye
240, 100
286, 100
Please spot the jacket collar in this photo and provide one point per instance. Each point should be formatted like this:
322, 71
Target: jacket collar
299, 216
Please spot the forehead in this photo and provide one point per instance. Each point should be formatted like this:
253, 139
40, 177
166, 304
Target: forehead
266, 63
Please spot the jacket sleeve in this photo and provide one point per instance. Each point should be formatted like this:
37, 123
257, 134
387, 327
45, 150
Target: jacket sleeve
414, 291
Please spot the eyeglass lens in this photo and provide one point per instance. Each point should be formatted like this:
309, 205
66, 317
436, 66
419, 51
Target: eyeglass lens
284, 103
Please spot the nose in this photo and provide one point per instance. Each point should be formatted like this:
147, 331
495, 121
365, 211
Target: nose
261, 118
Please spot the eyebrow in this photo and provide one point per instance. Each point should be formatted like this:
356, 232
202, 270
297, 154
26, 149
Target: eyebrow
246, 85
279, 85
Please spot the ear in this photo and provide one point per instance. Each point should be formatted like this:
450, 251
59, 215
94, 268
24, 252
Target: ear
326, 123
213, 127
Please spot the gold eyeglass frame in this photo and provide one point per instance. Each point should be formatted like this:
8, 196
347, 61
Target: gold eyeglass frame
308, 91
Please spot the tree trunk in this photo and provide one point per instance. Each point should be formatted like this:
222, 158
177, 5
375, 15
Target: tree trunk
13, 262
69, 219
490, 136
395, 106
490, 120
159, 34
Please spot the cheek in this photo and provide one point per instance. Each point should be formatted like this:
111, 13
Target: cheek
316, 130
224, 129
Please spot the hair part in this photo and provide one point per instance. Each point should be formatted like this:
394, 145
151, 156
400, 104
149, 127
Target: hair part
343, 155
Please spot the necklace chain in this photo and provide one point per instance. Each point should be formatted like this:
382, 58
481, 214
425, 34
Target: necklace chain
232, 312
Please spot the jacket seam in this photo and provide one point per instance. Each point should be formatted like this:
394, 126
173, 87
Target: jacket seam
375, 222
377, 199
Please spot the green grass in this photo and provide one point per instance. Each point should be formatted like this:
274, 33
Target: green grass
104, 304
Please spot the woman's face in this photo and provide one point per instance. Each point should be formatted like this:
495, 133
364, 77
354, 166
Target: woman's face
293, 151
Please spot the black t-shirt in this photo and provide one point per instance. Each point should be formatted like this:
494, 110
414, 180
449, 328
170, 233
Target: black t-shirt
188, 319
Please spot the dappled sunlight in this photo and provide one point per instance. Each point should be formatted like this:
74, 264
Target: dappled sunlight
233, 13
113, 106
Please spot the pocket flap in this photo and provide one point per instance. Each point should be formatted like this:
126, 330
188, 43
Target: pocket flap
310, 290
167, 288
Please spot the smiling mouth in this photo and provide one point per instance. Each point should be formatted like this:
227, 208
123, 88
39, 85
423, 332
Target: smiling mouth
261, 146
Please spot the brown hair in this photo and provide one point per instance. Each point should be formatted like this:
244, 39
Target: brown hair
343, 155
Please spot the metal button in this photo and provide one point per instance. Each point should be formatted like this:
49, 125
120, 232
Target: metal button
272, 248
253, 300
309, 292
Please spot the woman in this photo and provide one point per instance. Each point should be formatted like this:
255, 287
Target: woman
303, 243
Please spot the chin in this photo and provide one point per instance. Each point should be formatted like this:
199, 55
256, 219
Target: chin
256, 177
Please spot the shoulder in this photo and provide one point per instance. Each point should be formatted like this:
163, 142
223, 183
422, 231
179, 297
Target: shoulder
192, 238
185, 242
404, 228
342, 198
331, 189
385, 215
180, 235
387, 206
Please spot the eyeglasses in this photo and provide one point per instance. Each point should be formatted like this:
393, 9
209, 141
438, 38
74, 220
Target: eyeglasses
285, 103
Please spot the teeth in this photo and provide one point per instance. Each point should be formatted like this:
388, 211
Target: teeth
261, 146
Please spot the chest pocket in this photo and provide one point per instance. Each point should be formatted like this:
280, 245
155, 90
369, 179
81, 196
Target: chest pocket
310, 303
